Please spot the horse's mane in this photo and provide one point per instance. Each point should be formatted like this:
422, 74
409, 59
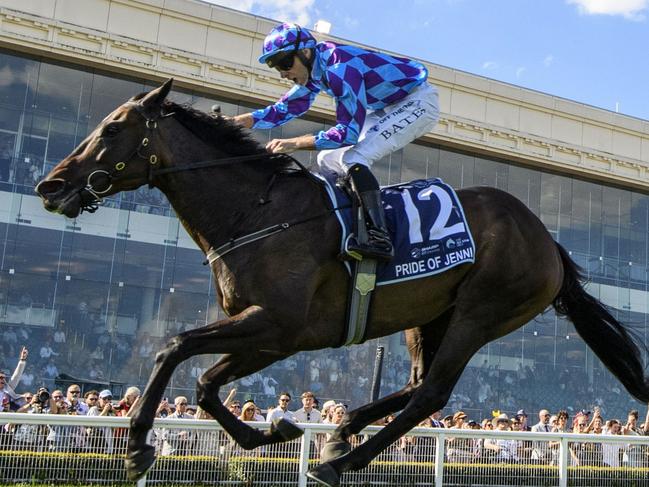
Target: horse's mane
214, 130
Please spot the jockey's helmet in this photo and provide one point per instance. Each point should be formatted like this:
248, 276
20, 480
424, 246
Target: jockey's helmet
284, 42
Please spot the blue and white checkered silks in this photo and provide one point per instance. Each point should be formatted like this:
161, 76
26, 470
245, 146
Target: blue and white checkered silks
360, 81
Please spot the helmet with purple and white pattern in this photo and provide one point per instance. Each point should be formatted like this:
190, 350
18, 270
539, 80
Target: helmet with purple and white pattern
286, 37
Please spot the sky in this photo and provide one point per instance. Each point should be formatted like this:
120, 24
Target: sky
591, 51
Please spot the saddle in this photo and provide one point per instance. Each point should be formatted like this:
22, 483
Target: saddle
428, 229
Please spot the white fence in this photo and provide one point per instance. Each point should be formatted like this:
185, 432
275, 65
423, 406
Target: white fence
41, 449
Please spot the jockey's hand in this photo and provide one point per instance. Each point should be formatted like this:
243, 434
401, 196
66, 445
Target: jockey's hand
281, 146
286, 146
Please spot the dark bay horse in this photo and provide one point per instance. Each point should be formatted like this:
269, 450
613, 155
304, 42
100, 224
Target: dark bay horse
287, 293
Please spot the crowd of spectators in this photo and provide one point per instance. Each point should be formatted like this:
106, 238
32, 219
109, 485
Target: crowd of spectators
179, 441
345, 375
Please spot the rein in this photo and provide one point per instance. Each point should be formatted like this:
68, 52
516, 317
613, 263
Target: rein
91, 196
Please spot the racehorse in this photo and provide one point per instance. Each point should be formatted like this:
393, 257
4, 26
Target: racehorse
287, 293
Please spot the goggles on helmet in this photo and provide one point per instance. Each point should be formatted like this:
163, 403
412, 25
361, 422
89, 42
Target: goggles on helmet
282, 61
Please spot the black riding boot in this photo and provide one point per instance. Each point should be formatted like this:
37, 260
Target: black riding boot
366, 187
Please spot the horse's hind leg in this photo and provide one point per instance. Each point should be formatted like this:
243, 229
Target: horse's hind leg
229, 368
422, 344
470, 328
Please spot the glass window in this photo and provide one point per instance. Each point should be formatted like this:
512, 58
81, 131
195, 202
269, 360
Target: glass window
450, 168
525, 184
62, 90
490, 173
62, 139
19, 77
108, 93
414, 163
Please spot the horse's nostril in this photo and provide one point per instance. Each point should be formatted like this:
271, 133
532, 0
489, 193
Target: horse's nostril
50, 187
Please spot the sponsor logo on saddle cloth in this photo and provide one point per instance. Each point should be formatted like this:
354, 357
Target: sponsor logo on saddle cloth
427, 225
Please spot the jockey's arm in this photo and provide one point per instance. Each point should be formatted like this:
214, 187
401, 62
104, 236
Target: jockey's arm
245, 120
279, 146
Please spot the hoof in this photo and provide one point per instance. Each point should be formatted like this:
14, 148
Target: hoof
324, 474
334, 449
139, 462
285, 429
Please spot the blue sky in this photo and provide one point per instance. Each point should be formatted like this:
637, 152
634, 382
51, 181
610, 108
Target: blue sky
590, 51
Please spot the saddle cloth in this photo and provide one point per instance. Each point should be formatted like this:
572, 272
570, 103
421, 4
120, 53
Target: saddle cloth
426, 223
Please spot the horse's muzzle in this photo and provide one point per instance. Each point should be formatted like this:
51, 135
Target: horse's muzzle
50, 189
57, 198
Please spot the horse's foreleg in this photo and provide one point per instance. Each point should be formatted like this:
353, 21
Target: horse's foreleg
250, 330
229, 368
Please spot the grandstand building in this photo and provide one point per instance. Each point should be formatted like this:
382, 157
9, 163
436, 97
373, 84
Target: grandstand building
118, 282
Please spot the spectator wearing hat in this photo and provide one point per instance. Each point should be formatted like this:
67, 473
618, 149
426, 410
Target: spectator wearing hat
101, 439
327, 411
307, 413
459, 449
506, 450
447, 421
521, 416
459, 420
487, 424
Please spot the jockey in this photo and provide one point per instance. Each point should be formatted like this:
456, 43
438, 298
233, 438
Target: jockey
383, 102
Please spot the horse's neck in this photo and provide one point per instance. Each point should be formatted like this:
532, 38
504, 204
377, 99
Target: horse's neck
215, 204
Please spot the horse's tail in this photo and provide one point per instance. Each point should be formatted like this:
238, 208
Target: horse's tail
607, 337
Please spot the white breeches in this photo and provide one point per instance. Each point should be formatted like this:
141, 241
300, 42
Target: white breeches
387, 130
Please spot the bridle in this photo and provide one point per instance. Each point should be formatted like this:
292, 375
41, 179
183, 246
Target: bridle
91, 197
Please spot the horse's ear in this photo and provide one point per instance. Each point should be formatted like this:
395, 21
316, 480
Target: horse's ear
152, 101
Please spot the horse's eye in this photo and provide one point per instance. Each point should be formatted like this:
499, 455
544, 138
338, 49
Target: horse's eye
111, 130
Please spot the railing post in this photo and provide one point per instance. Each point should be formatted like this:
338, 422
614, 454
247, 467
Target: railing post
563, 462
305, 448
439, 459
142, 482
